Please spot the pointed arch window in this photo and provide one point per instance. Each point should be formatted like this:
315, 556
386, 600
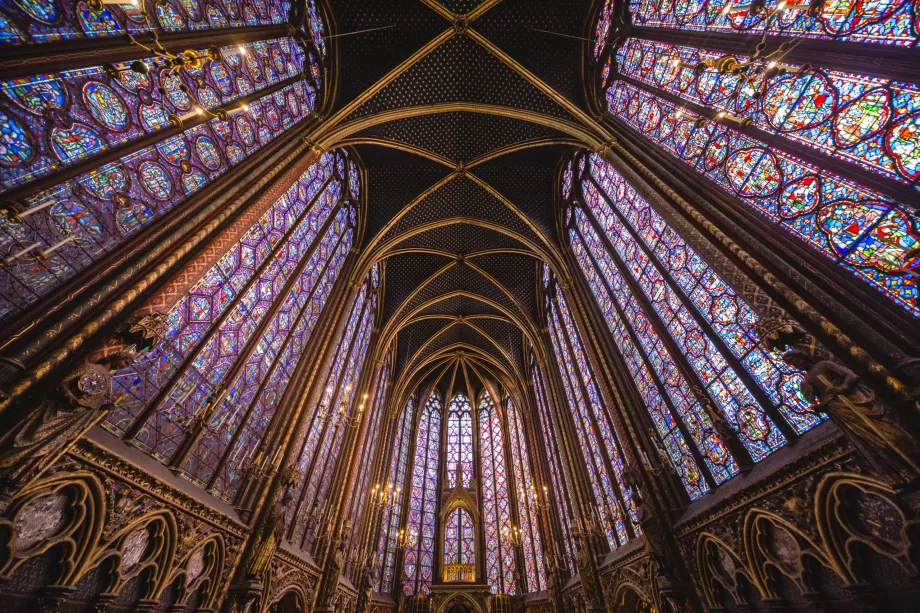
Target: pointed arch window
496, 504
32, 22
395, 487
597, 440
459, 462
531, 541
830, 157
134, 146
371, 441
423, 500
558, 473
203, 400
688, 339
460, 538
319, 451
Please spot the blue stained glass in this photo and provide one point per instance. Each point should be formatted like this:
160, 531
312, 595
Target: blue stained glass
387, 548
500, 567
861, 230
884, 22
423, 495
154, 189
459, 454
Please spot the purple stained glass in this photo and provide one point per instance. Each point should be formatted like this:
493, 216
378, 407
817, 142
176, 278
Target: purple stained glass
559, 479
42, 21
423, 495
859, 229
883, 22
396, 478
602, 31
527, 494
869, 122
126, 196
497, 525
595, 434
210, 335
459, 454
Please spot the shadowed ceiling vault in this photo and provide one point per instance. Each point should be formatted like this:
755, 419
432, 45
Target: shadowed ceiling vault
460, 111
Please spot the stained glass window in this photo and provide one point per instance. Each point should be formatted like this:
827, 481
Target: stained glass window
204, 398
860, 229
69, 116
423, 497
328, 422
559, 479
603, 28
396, 478
372, 440
459, 455
41, 21
615, 511
496, 504
865, 121
884, 22
459, 538
527, 498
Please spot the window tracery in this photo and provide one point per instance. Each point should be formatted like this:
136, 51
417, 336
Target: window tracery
422, 519
615, 511
497, 520
233, 341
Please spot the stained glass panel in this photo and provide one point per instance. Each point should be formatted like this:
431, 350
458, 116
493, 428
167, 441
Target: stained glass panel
459, 455
496, 504
884, 22
396, 477
861, 230
423, 495
869, 122
41, 21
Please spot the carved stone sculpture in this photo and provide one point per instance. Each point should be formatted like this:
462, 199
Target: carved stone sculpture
875, 429
271, 529
34, 432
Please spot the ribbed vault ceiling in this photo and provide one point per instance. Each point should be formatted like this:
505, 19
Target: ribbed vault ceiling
461, 111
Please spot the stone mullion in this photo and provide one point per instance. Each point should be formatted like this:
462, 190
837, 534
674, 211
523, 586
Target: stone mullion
829, 311
28, 60
314, 394
678, 421
735, 363
605, 453
513, 502
346, 465
265, 480
330, 412
577, 467
186, 446
161, 396
881, 61
742, 455
142, 263
278, 438
275, 364
121, 151
891, 187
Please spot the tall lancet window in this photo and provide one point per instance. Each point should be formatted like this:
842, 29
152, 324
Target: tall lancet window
329, 419
556, 492
599, 444
527, 498
372, 440
135, 140
666, 308
203, 400
423, 500
459, 463
496, 505
459, 538
831, 157
395, 494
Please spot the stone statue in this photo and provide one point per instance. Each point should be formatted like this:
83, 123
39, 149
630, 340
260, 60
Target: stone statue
271, 529
36, 431
334, 566
873, 428
652, 528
